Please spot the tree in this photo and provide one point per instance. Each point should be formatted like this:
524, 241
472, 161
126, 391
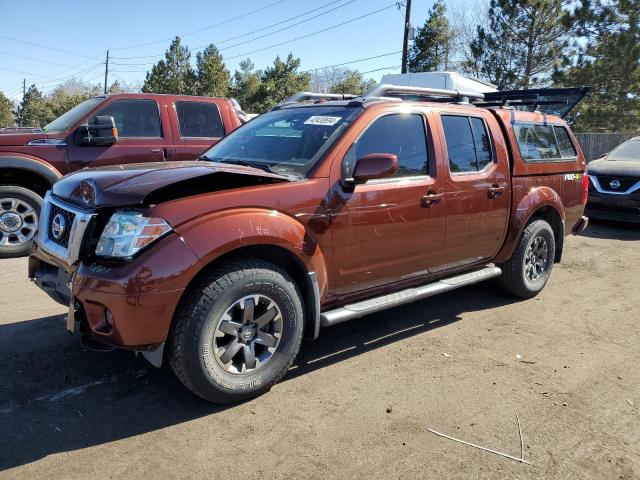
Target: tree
280, 82
6, 111
433, 42
34, 111
607, 58
69, 94
354, 83
174, 74
245, 86
523, 44
213, 78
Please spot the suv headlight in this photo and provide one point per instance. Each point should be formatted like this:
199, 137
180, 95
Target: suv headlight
127, 233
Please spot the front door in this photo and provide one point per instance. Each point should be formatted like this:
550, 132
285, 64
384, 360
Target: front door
142, 137
478, 192
391, 229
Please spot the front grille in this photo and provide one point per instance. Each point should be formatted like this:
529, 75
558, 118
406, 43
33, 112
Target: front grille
68, 218
625, 183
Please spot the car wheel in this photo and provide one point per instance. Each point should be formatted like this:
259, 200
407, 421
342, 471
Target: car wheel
237, 331
19, 211
528, 270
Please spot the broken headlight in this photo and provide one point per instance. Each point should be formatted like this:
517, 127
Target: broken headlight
127, 233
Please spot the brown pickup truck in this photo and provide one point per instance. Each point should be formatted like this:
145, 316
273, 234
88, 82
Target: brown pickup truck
149, 128
307, 216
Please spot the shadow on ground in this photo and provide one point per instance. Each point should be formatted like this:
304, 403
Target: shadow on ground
57, 397
606, 229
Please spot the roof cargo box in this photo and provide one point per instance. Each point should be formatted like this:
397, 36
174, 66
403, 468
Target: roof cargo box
441, 80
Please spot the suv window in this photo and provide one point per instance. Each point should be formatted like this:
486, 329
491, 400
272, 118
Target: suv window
468, 143
199, 120
135, 118
401, 134
539, 143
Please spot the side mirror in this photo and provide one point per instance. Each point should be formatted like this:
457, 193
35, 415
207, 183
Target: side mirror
100, 131
375, 165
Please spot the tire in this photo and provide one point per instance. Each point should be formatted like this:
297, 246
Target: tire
521, 277
19, 212
216, 312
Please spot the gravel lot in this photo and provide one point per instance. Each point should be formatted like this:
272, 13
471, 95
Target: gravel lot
358, 402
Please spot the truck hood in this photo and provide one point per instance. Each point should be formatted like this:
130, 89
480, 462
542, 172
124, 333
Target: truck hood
152, 183
14, 138
614, 167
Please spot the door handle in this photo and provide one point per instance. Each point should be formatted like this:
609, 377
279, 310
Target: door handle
155, 150
431, 198
495, 190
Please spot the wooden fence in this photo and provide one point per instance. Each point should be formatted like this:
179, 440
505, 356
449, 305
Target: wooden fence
594, 145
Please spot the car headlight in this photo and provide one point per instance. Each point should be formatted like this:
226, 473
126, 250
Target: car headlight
128, 232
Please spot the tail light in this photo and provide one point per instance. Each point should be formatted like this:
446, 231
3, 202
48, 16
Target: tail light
585, 188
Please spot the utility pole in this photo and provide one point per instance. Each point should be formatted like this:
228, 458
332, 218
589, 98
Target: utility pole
405, 43
106, 72
24, 94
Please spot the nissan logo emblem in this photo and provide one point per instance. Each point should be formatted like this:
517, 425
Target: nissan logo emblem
58, 226
614, 184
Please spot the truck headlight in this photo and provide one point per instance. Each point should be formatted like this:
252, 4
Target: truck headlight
127, 233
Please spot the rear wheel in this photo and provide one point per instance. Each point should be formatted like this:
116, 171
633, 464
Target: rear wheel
19, 211
237, 331
528, 270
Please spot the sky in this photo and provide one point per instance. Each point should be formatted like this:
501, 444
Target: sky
50, 42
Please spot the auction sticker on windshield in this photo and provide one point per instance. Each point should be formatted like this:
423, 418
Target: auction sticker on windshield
322, 120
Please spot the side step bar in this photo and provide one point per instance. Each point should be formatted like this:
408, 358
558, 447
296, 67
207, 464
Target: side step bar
366, 307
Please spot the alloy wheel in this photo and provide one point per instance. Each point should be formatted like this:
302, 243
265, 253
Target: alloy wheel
18, 222
536, 259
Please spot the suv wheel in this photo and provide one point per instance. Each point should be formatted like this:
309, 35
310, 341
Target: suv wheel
19, 211
528, 270
237, 331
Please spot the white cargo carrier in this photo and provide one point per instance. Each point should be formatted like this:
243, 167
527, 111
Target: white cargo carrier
439, 80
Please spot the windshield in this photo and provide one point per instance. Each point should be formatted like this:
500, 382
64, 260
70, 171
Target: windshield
629, 151
64, 121
287, 141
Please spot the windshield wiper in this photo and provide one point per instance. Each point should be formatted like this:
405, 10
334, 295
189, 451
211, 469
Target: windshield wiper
259, 165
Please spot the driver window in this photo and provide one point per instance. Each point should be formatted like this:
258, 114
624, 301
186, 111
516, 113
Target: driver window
135, 118
401, 134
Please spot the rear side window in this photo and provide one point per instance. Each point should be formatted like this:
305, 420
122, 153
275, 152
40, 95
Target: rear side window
401, 134
540, 143
199, 120
468, 143
135, 118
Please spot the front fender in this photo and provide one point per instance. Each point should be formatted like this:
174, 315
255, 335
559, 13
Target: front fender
216, 234
529, 201
31, 164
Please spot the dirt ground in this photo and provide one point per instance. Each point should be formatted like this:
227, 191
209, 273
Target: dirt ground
358, 402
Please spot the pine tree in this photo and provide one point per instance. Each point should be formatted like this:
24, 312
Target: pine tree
523, 44
280, 82
34, 111
6, 111
174, 74
245, 86
354, 83
213, 77
607, 59
433, 42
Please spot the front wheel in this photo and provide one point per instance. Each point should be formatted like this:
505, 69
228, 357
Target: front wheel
19, 211
237, 331
528, 270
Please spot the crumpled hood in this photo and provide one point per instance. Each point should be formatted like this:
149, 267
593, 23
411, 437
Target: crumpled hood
10, 138
614, 167
131, 184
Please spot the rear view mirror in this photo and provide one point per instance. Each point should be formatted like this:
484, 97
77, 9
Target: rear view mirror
375, 165
100, 131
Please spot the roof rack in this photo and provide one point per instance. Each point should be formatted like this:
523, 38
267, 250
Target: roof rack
302, 96
387, 90
557, 101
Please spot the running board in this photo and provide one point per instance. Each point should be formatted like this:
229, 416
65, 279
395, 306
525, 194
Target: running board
366, 307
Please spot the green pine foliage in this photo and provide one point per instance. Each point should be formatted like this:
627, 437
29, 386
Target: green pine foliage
6, 111
432, 44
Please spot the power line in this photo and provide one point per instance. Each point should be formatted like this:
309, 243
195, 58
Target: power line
352, 61
313, 33
44, 46
218, 42
204, 28
34, 59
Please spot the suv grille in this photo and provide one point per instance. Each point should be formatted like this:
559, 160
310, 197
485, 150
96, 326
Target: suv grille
625, 183
68, 218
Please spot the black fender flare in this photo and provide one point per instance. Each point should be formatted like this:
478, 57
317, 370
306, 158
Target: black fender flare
38, 167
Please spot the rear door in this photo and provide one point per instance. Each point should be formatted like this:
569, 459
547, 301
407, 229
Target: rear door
199, 125
386, 230
142, 136
478, 186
